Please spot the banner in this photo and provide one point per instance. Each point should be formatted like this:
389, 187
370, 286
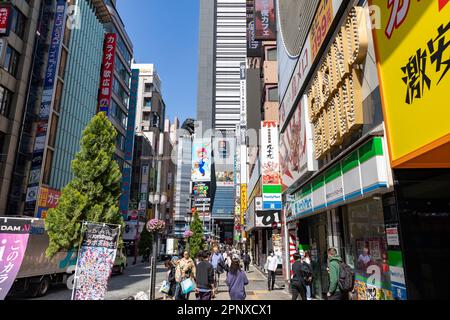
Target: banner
265, 20
95, 261
107, 75
201, 160
413, 59
5, 12
254, 47
270, 166
14, 234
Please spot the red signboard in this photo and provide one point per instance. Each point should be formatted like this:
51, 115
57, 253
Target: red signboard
107, 75
4, 18
265, 20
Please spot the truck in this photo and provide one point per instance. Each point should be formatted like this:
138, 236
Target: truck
38, 273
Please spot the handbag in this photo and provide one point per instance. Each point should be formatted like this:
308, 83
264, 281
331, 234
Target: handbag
187, 286
165, 287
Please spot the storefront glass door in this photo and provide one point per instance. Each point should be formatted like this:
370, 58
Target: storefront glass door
318, 232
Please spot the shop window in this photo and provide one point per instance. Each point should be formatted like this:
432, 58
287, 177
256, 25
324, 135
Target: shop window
366, 249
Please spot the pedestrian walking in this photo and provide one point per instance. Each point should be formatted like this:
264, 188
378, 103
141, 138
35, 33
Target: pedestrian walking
334, 265
302, 273
171, 282
272, 266
236, 281
205, 277
246, 259
309, 278
218, 264
185, 270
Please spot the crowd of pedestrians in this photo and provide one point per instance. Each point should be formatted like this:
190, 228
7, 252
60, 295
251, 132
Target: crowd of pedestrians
202, 277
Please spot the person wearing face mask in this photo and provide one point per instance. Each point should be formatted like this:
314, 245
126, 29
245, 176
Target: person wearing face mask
272, 265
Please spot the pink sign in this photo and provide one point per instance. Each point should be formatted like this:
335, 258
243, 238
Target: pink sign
14, 235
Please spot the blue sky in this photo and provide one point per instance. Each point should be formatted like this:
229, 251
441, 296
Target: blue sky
166, 33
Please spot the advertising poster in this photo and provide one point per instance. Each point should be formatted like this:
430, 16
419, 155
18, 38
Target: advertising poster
265, 20
297, 149
95, 261
225, 178
413, 68
107, 75
201, 190
278, 247
14, 235
201, 160
270, 166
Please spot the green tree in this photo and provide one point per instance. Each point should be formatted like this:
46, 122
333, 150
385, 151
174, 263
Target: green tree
94, 192
196, 241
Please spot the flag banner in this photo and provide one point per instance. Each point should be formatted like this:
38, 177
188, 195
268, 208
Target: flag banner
14, 234
95, 261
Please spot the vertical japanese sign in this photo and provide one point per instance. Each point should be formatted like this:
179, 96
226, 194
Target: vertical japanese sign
48, 199
254, 47
244, 203
265, 20
107, 75
129, 143
413, 59
5, 12
201, 160
143, 200
270, 166
95, 261
14, 235
46, 106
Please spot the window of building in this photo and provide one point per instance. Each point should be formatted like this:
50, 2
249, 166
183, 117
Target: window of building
272, 94
272, 54
18, 21
155, 120
11, 61
5, 101
147, 102
63, 62
148, 87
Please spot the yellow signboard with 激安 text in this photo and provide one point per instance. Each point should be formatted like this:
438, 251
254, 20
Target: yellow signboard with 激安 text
412, 42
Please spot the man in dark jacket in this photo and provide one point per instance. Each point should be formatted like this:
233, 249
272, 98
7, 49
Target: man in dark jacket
298, 279
246, 259
205, 278
334, 267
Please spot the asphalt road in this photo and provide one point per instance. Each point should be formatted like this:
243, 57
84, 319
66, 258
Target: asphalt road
136, 278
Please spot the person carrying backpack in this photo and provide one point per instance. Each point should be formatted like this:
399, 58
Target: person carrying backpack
341, 277
298, 279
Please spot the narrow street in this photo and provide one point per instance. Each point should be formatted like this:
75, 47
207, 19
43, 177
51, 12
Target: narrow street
136, 278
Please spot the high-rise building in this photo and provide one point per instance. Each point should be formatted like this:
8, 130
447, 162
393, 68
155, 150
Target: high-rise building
16, 61
61, 100
222, 52
222, 49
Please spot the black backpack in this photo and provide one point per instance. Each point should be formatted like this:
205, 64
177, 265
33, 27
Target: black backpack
306, 272
346, 277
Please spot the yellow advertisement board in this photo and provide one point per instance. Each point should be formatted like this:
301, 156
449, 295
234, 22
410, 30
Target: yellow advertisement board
412, 41
243, 202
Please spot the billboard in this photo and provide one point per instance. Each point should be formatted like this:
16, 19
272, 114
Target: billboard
5, 12
107, 75
46, 104
201, 160
48, 199
201, 190
14, 234
265, 20
225, 178
297, 148
413, 63
270, 166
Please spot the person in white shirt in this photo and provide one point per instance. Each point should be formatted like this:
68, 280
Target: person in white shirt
272, 265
